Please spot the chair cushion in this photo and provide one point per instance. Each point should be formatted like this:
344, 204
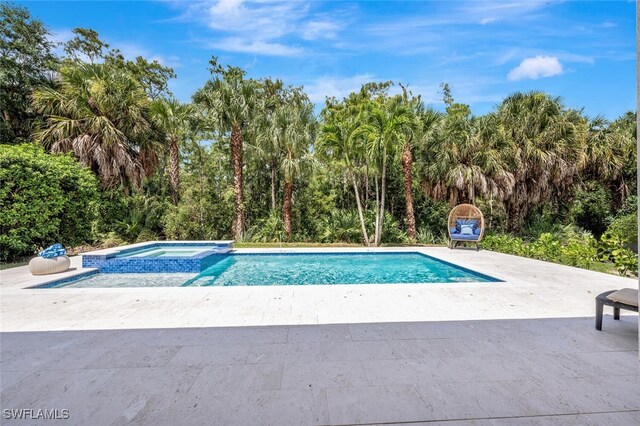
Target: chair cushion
460, 237
476, 231
466, 229
461, 222
453, 231
628, 296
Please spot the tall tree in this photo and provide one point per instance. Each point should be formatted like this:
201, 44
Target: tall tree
299, 135
101, 114
418, 132
270, 130
465, 157
230, 98
26, 61
173, 118
388, 120
547, 147
87, 45
342, 137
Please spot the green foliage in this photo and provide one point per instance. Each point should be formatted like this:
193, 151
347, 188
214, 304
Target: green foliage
616, 242
340, 226
431, 215
86, 43
504, 243
625, 228
615, 249
43, 199
545, 247
26, 61
202, 213
142, 219
591, 208
269, 229
580, 251
427, 236
101, 114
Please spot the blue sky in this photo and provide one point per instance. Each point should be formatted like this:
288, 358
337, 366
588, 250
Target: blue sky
582, 51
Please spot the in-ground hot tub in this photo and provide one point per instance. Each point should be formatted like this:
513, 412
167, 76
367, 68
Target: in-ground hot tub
158, 256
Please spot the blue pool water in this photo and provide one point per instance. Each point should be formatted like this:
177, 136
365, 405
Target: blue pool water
303, 269
298, 269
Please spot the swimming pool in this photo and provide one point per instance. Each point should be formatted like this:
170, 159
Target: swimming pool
240, 269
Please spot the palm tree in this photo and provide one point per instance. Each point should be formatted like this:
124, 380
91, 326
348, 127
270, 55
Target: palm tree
465, 158
231, 99
173, 118
418, 132
101, 114
610, 155
341, 137
298, 137
547, 150
388, 121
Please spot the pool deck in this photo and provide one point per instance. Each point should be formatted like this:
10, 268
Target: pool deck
523, 351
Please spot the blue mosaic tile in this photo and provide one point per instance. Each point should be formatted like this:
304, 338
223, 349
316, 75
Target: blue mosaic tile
116, 263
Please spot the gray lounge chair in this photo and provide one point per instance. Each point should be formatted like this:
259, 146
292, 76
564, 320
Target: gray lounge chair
627, 299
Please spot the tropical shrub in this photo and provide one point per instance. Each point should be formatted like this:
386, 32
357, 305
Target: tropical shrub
142, 219
580, 251
625, 227
427, 236
615, 244
613, 248
43, 199
504, 243
340, 226
267, 230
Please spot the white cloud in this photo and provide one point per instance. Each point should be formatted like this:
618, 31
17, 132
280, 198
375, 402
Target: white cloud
262, 20
339, 87
485, 21
263, 26
320, 29
534, 68
236, 44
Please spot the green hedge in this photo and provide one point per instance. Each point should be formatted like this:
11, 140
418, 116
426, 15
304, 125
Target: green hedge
43, 199
581, 250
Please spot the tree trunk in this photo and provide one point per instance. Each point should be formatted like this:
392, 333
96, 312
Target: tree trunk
238, 185
273, 187
286, 208
366, 186
514, 217
407, 164
377, 207
174, 170
363, 227
383, 185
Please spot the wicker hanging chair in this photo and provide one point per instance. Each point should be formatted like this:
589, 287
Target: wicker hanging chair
466, 224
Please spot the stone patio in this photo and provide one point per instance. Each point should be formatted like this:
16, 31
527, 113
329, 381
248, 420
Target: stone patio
520, 352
